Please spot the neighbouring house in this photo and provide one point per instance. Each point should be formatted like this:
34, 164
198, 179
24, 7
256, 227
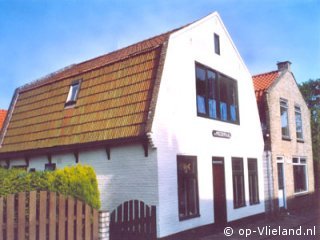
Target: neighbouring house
171, 121
3, 114
285, 121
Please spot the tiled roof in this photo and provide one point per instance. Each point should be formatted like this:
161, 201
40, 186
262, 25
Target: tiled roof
113, 102
263, 81
3, 114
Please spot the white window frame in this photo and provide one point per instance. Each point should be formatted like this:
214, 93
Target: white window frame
73, 93
298, 162
284, 104
297, 110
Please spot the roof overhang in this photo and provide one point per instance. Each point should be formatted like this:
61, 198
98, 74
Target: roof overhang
75, 148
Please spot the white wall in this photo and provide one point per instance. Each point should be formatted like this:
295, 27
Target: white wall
127, 175
177, 130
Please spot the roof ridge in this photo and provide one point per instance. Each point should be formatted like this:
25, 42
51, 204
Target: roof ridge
132, 45
265, 73
119, 54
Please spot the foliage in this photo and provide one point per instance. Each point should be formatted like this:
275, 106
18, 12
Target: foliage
311, 93
78, 181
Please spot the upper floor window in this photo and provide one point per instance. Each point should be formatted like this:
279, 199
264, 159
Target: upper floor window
284, 119
217, 95
298, 118
216, 44
73, 93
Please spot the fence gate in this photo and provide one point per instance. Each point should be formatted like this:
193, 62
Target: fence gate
133, 220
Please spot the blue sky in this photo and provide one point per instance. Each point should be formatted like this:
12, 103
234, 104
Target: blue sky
38, 37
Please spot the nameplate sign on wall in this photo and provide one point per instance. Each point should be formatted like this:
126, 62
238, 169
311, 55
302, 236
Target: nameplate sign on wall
221, 134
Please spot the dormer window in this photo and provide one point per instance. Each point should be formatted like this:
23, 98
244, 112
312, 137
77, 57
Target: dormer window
73, 93
216, 44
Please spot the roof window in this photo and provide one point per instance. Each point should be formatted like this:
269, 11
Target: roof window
73, 93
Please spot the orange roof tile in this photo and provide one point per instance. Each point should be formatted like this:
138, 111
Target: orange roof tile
263, 81
113, 103
3, 114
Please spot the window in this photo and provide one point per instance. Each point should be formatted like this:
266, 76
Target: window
50, 167
216, 44
238, 183
188, 195
217, 95
298, 117
22, 167
300, 174
73, 93
253, 181
284, 119
280, 176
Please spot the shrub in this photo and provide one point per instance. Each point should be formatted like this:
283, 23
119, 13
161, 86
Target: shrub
78, 181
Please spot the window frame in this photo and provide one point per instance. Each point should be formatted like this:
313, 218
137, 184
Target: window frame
50, 167
73, 97
298, 113
284, 107
186, 179
217, 104
216, 40
297, 163
238, 176
253, 185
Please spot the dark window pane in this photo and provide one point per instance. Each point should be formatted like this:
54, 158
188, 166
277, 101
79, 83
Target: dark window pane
284, 118
216, 44
280, 176
187, 187
253, 181
299, 174
201, 90
238, 183
298, 119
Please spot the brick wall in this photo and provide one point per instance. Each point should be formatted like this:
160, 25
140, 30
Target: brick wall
287, 89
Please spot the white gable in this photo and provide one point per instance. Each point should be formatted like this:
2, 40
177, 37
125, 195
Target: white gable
177, 130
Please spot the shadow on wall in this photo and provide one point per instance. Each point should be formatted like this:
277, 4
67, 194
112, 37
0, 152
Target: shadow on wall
295, 203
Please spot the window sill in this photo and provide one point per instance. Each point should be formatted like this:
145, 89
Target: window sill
286, 138
237, 122
254, 203
188, 217
237, 207
300, 140
300, 194
70, 104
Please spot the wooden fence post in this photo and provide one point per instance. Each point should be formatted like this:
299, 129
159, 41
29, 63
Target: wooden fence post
79, 225
62, 218
32, 215
10, 216
52, 215
21, 215
43, 215
1, 218
70, 218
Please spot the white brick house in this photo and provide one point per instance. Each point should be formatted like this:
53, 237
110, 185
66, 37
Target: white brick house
171, 121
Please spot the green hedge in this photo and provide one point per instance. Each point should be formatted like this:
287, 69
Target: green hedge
78, 181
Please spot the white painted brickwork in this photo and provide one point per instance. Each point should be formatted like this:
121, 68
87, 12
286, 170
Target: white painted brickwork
178, 131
